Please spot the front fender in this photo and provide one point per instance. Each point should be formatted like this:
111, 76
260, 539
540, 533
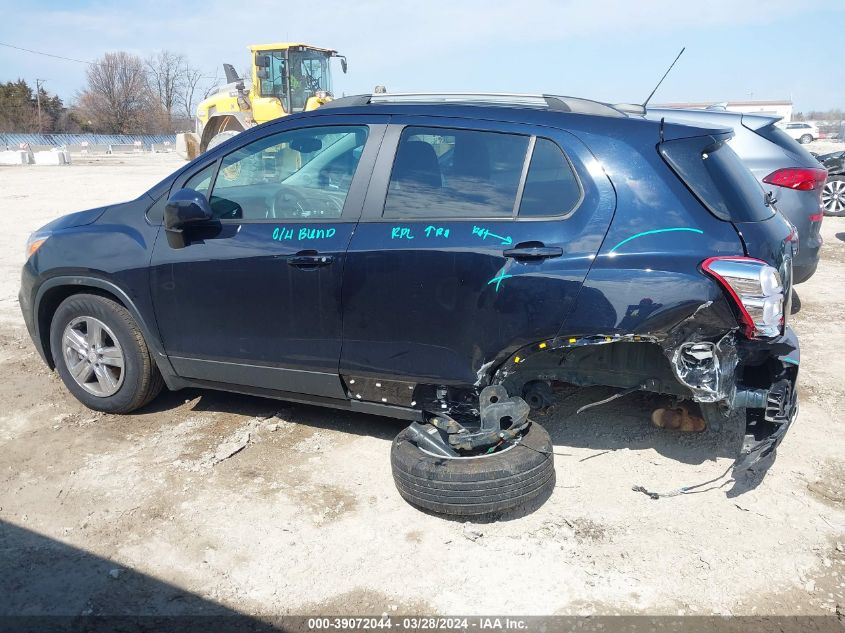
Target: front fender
44, 301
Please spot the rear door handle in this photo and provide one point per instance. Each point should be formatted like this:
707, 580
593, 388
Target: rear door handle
309, 259
533, 252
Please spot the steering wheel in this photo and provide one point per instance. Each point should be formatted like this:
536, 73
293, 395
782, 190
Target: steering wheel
290, 203
313, 84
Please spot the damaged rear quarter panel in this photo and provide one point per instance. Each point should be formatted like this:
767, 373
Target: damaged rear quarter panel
646, 281
645, 278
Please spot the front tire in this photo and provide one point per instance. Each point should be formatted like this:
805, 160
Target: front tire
221, 137
101, 356
467, 486
805, 139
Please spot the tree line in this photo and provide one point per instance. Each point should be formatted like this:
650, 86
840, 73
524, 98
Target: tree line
124, 94
835, 114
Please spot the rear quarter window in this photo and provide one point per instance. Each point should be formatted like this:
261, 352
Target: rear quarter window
551, 186
718, 178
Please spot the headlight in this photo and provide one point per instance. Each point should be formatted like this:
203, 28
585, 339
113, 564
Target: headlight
33, 243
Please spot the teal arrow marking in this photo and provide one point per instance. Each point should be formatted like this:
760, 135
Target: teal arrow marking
499, 279
633, 237
505, 240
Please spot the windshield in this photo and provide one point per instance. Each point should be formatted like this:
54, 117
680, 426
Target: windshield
309, 74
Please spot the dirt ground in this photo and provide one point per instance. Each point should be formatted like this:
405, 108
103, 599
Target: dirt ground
136, 514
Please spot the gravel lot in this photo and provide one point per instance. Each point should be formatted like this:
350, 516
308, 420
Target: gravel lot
135, 514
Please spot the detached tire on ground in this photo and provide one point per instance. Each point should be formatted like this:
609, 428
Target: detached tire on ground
467, 486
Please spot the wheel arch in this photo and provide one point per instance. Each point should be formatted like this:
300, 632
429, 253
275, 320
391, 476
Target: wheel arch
56, 289
221, 123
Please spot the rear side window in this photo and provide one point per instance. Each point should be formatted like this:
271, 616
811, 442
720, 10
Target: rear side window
551, 187
450, 173
718, 178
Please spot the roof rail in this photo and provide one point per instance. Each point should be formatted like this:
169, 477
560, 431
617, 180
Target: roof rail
556, 103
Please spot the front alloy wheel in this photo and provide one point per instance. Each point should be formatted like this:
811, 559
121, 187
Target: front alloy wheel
93, 356
101, 355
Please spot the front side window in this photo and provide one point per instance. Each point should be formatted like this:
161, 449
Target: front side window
299, 174
449, 173
201, 181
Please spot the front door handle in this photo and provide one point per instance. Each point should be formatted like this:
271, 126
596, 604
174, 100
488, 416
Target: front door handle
309, 259
533, 252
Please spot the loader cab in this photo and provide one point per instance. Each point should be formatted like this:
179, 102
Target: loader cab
290, 78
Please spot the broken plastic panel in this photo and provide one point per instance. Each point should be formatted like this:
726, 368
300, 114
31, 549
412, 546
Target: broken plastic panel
707, 368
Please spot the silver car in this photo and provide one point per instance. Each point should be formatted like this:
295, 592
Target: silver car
781, 165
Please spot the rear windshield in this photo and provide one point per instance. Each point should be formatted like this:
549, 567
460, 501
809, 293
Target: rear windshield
784, 141
718, 178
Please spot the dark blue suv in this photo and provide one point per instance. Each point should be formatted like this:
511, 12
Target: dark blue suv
403, 255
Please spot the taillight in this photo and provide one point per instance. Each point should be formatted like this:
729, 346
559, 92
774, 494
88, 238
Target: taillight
756, 289
800, 178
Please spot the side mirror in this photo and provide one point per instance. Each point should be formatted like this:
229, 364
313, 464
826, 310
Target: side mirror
185, 208
343, 64
262, 61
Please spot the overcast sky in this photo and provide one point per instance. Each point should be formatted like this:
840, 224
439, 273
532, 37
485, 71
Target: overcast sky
612, 50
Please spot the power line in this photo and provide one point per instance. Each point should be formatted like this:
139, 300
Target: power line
71, 59
28, 50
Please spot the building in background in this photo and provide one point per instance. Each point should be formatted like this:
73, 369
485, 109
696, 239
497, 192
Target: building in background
781, 108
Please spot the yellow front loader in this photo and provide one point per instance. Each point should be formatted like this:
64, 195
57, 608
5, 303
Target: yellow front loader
286, 78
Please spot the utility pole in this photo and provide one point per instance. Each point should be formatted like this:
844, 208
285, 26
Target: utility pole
38, 100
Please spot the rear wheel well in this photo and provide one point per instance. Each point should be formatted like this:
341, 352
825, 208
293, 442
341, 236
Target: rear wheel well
622, 364
50, 302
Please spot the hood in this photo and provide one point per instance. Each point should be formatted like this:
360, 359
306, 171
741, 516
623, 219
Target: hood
80, 218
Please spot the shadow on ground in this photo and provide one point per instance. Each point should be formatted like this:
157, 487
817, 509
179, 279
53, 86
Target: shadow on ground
47, 585
255, 406
622, 424
626, 424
